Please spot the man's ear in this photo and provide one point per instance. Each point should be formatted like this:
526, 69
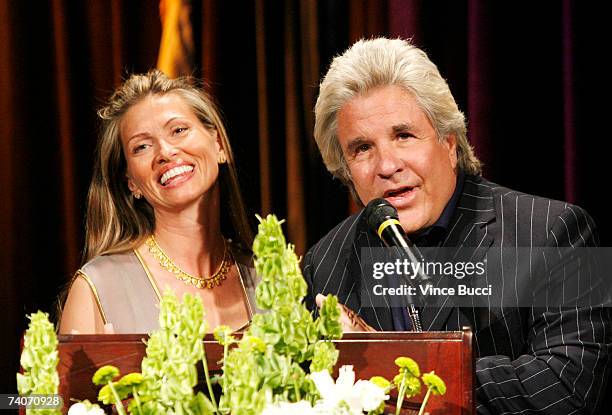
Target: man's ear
451, 145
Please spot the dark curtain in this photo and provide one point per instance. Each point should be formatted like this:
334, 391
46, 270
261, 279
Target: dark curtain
527, 75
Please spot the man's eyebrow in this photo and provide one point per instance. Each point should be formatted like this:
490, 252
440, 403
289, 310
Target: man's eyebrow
403, 127
355, 143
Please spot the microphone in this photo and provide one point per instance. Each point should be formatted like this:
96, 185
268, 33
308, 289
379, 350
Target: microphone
382, 219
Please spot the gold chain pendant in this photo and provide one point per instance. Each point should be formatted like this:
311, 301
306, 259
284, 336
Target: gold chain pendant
199, 282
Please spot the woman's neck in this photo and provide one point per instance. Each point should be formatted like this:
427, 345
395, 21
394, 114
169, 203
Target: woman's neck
192, 237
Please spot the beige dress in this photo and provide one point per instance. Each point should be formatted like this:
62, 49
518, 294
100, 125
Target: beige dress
128, 297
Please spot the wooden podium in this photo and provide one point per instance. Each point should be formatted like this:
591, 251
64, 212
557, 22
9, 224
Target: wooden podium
449, 354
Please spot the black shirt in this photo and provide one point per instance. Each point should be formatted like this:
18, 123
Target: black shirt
431, 236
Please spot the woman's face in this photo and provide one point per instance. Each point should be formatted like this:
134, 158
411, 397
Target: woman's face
171, 156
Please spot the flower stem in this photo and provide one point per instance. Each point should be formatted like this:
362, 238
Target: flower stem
137, 399
298, 397
118, 403
400, 395
225, 349
425, 401
207, 375
224, 387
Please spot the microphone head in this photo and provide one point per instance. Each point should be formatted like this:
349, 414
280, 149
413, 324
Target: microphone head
378, 211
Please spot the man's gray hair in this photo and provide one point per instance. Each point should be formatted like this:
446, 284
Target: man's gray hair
373, 63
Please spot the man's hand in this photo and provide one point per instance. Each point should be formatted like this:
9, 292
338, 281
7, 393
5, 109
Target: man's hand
350, 321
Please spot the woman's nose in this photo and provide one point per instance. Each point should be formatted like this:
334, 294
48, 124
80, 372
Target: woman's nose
166, 151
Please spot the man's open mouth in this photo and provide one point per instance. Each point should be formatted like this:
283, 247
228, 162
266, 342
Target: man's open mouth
398, 192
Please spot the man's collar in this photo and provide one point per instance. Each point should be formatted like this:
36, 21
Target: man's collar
449, 210
441, 225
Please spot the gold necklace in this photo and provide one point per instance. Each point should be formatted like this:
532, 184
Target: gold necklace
199, 282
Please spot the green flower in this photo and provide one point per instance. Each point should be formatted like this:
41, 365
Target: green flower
329, 320
433, 382
324, 357
106, 395
223, 335
270, 359
413, 386
131, 379
255, 343
381, 382
409, 365
169, 369
104, 375
39, 360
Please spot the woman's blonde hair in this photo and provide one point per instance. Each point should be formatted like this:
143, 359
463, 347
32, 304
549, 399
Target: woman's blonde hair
116, 222
373, 63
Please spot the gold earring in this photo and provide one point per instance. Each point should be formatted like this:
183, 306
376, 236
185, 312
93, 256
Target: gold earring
221, 159
137, 195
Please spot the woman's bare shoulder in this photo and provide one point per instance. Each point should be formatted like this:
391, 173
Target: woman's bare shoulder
81, 312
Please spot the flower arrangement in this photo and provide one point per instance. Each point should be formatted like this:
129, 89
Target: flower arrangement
281, 364
39, 361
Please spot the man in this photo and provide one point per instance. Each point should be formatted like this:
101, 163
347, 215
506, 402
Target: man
387, 126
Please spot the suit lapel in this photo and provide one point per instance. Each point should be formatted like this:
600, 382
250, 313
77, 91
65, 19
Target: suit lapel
468, 239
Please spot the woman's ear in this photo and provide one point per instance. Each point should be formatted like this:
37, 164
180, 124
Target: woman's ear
130, 183
221, 155
133, 188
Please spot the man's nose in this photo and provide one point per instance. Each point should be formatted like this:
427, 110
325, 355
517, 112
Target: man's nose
389, 162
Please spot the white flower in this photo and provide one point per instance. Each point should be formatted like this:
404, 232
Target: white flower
282, 408
85, 408
335, 392
344, 395
371, 395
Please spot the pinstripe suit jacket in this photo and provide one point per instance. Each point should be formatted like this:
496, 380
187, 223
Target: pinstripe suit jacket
529, 360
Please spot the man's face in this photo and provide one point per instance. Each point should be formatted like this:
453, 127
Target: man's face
392, 151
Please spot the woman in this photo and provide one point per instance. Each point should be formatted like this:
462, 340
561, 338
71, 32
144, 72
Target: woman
164, 173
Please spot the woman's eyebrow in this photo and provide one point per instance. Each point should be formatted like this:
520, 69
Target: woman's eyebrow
138, 135
176, 117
